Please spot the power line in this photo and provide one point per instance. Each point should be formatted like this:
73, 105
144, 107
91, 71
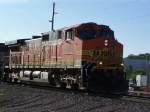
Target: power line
84, 6
100, 9
113, 7
129, 18
60, 2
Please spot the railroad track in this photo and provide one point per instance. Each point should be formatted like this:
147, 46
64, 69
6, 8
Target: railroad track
137, 98
128, 97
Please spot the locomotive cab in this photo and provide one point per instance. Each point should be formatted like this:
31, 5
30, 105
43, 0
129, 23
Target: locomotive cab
102, 58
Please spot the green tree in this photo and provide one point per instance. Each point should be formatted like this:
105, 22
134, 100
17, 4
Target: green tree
128, 71
138, 72
140, 56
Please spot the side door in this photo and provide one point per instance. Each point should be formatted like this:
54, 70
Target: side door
68, 49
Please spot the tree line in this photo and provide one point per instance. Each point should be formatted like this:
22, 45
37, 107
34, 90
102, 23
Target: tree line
140, 56
130, 73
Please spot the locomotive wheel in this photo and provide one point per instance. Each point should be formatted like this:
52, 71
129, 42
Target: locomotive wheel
51, 79
88, 90
31, 77
5, 78
74, 87
15, 80
10, 80
63, 85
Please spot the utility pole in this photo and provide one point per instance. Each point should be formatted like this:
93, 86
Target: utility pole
53, 16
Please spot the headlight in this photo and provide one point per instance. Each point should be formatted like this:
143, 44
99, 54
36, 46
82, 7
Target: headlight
101, 63
122, 64
106, 42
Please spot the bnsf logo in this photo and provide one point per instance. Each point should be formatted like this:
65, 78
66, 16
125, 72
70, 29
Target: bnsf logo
112, 54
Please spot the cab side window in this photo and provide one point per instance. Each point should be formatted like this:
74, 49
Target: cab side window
59, 35
69, 34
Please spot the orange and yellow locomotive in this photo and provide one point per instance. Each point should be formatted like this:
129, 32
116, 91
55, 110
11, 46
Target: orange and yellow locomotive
78, 57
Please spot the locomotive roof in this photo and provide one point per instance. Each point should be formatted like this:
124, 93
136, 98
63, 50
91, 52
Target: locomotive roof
3, 48
36, 40
91, 23
15, 42
2, 44
66, 28
52, 35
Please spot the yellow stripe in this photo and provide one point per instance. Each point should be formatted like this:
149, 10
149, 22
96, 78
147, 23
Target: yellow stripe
105, 53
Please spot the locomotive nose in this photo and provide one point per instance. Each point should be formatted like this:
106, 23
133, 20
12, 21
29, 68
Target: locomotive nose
108, 81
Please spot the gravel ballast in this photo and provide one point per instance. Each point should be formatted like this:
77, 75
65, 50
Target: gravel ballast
25, 99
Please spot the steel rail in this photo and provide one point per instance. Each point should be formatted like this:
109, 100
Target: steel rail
127, 97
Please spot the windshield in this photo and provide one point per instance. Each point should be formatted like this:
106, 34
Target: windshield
105, 34
86, 34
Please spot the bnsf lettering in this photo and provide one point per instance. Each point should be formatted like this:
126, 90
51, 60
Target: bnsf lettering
106, 53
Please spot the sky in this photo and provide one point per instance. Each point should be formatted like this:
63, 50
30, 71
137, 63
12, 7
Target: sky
129, 19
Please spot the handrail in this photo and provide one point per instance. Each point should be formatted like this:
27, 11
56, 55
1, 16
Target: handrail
87, 61
90, 64
93, 60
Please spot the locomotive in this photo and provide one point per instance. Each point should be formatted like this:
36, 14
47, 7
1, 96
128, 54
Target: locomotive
82, 56
3, 52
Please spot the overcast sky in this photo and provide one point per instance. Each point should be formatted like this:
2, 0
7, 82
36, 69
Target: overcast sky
130, 19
